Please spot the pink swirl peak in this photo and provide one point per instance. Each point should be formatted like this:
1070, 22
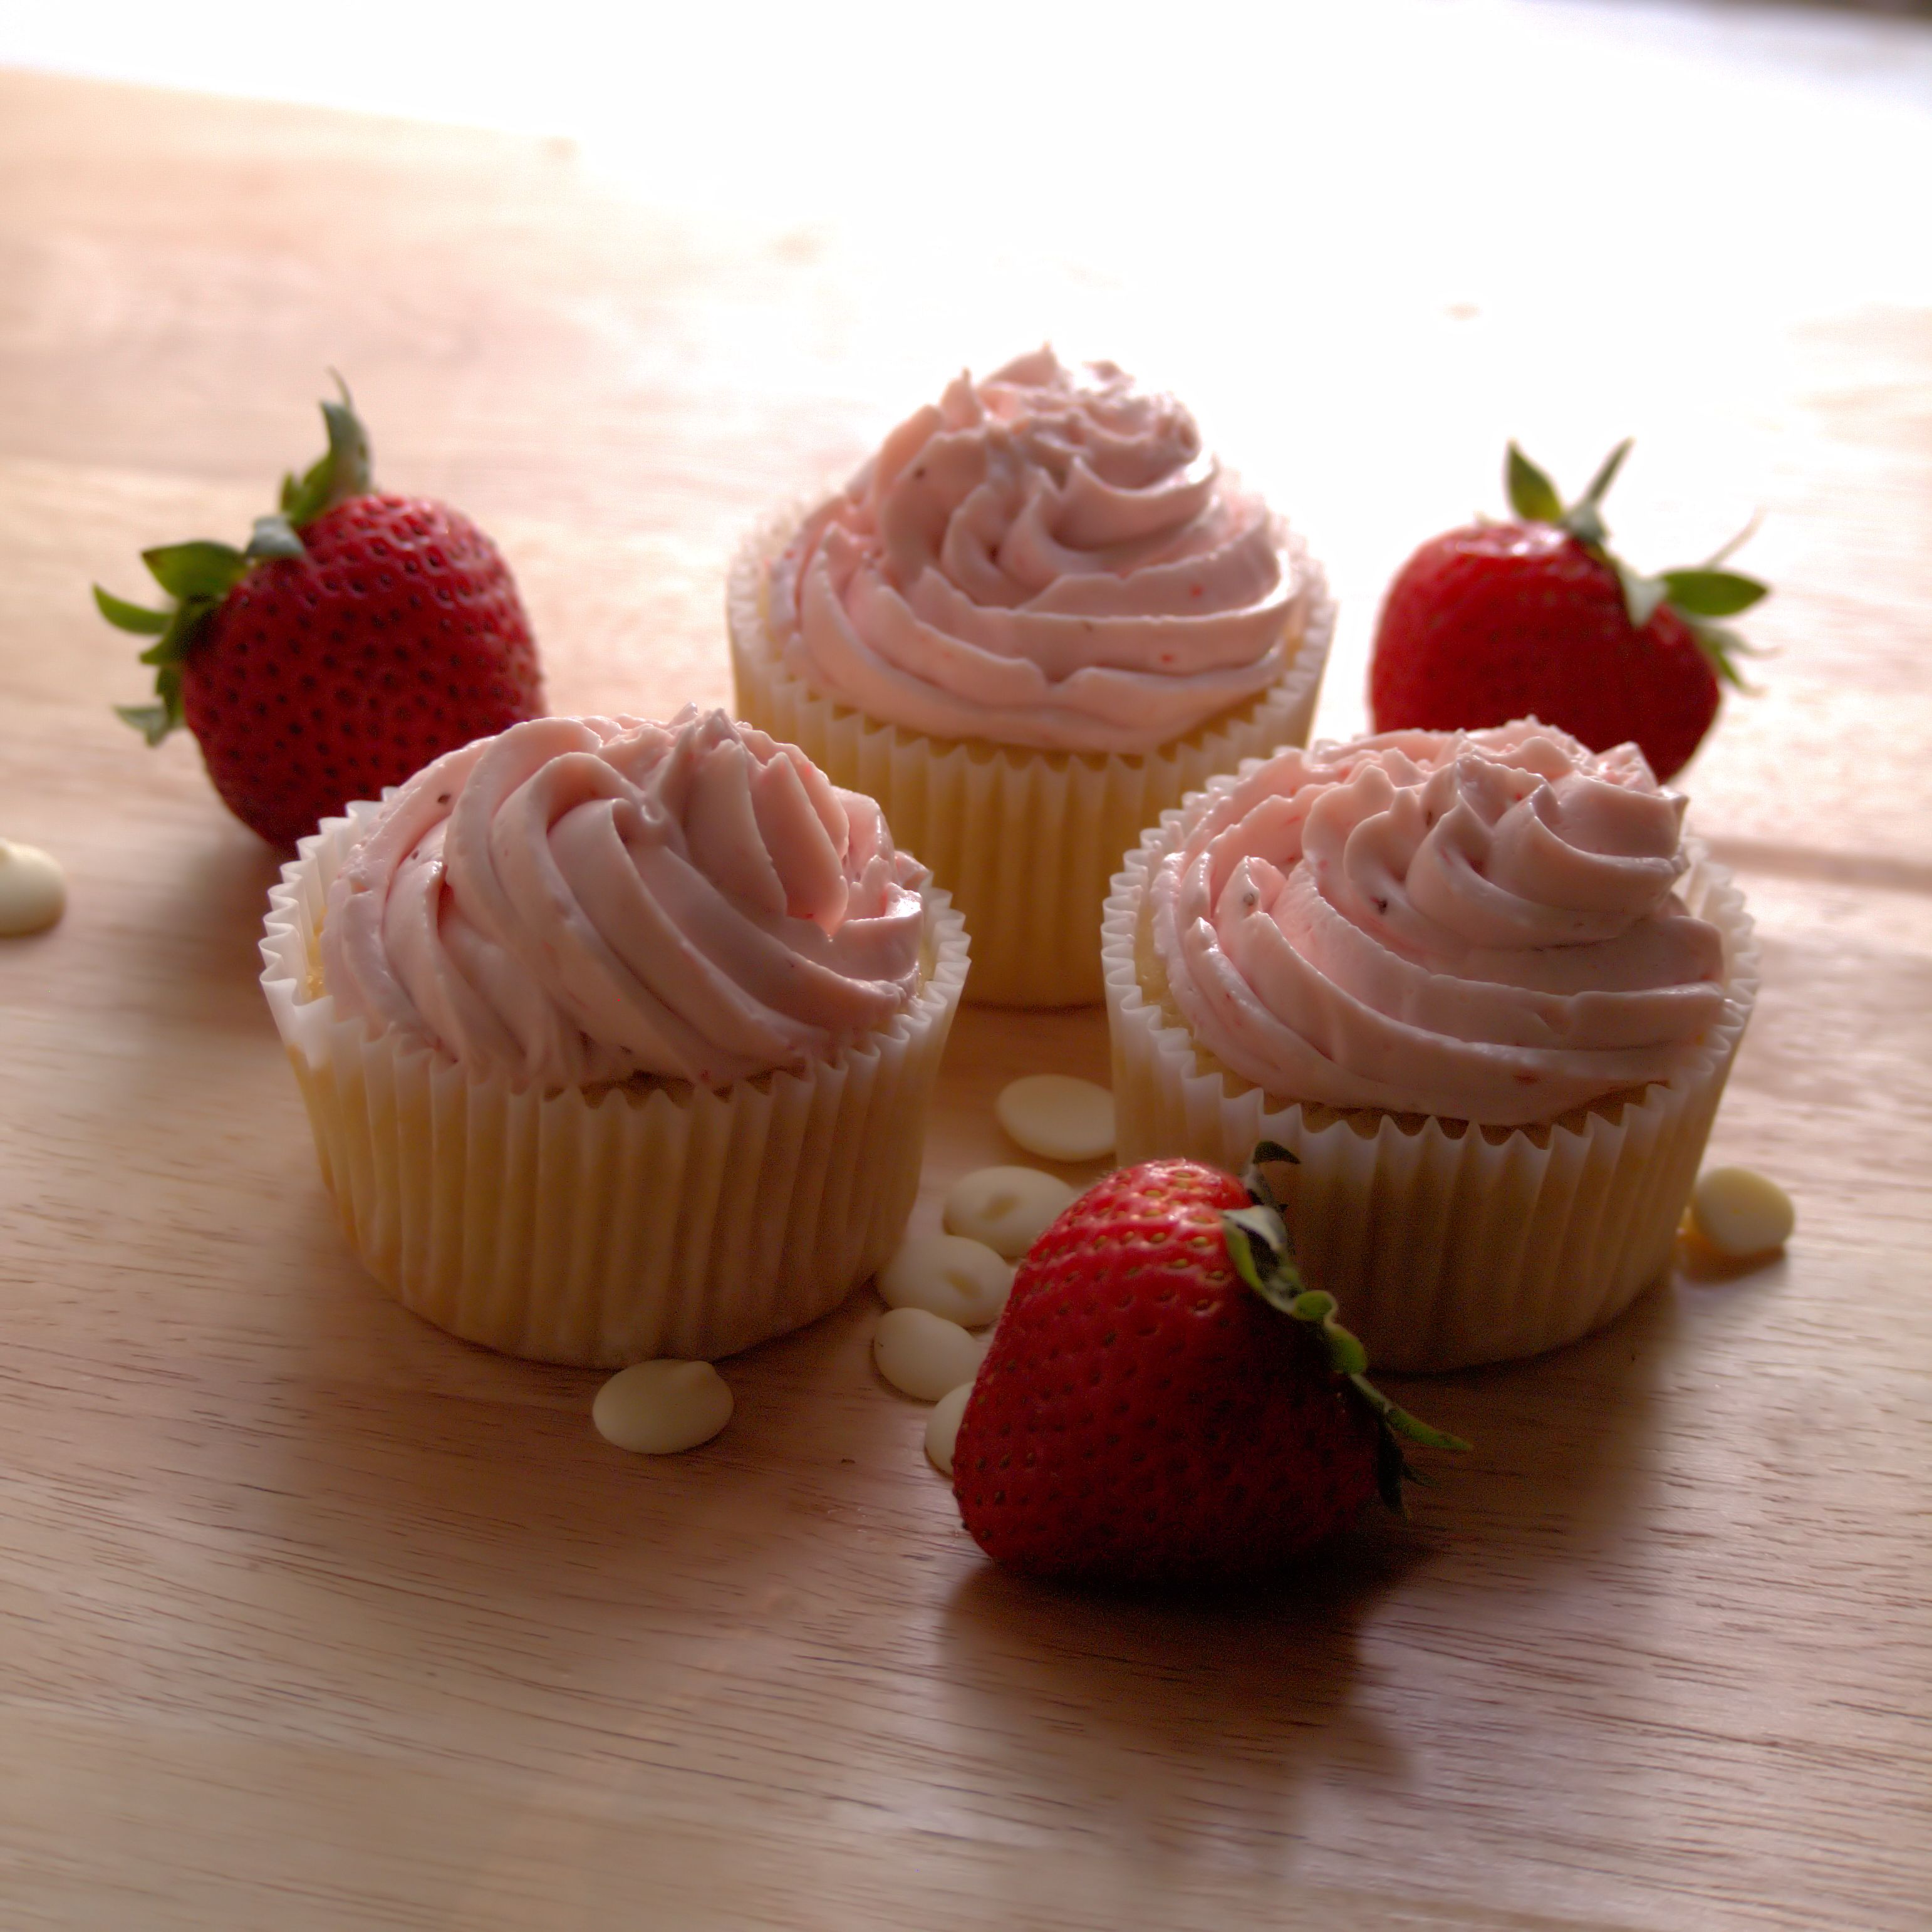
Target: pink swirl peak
1046, 559
1481, 926
580, 900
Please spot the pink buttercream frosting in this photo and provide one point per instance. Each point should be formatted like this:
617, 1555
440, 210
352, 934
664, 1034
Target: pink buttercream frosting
581, 900
1480, 925
1047, 559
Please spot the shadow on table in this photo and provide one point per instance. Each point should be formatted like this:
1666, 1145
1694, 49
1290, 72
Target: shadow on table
455, 1517
412, 1422
1177, 1718
1186, 1719
190, 952
408, 1457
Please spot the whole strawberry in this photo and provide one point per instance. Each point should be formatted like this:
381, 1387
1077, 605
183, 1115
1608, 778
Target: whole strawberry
355, 639
1163, 1401
1536, 619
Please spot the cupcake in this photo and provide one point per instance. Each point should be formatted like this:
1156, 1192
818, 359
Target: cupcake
1039, 617
1477, 982
617, 1038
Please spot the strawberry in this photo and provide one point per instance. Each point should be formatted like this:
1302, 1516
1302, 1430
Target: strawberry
1538, 619
1164, 1401
355, 639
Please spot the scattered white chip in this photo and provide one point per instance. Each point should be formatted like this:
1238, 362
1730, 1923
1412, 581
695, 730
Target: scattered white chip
1741, 1212
33, 889
1009, 1208
942, 1428
1056, 1117
923, 1355
948, 1275
659, 1407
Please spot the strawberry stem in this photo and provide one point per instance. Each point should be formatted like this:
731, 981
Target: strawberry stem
1531, 494
1262, 1252
199, 574
341, 471
1696, 595
134, 617
1606, 473
274, 535
1725, 552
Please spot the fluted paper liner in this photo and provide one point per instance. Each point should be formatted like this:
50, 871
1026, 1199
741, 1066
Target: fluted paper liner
1445, 1244
1025, 841
608, 1225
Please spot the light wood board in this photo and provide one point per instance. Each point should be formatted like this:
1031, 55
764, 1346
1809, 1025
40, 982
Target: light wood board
311, 1618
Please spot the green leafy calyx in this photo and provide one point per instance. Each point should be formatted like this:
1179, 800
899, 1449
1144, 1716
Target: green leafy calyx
341, 471
197, 575
1699, 595
1262, 1251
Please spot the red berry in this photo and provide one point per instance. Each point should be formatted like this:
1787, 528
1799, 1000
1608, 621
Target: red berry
323, 678
356, 638
1143, 1415
1502, 621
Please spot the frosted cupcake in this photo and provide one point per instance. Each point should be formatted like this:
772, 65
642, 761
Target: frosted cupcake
1477, 982
1035, 620
617, 1038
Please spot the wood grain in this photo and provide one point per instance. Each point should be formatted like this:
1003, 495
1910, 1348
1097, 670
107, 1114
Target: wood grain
314, 1618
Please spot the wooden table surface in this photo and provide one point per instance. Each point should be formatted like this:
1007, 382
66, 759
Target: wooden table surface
311, 1618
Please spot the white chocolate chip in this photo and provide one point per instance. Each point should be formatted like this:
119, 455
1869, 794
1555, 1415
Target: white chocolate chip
659, 1407
923, 1355
947, 1275
1741, 1212
942, 1427
33, 889
1009, 1208
1057, 1117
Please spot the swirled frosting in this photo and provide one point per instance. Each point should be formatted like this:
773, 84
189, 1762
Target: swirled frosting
1046, 559
581, 900
1480, 925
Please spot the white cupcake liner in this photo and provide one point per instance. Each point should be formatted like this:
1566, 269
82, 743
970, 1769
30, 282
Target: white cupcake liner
1025, 841
1445, 1244
609, 1226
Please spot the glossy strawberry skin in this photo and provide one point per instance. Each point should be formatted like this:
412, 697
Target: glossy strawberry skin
1502, 621
1143, 1416
321, 679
